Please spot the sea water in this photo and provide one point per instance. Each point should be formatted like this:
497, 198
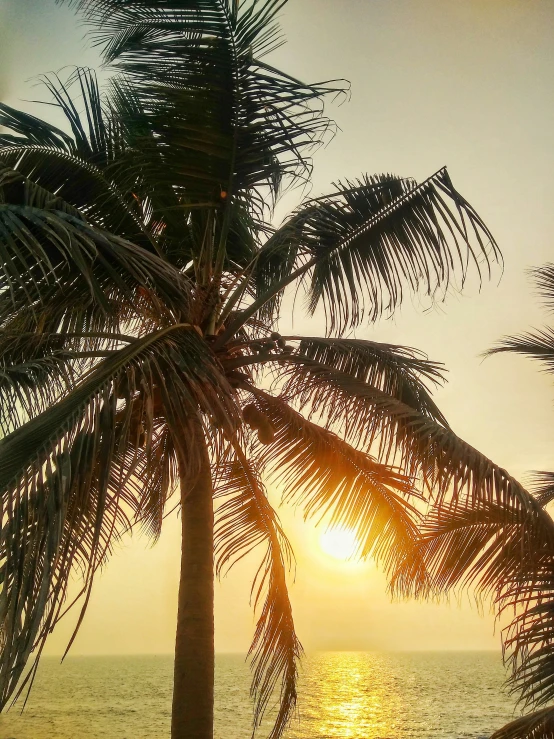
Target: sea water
362, 695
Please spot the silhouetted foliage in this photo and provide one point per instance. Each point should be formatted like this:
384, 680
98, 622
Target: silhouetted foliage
140, 291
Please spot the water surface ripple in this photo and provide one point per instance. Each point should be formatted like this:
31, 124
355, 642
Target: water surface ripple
361, 695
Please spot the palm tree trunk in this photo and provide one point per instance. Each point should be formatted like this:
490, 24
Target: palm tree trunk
193, 690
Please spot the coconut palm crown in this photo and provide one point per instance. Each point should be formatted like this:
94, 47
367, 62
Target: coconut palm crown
141, 285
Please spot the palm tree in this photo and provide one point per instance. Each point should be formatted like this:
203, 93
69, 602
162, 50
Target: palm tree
140, 295
504, 547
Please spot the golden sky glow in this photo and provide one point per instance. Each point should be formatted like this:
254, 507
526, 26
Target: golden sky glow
467, 84
339, 543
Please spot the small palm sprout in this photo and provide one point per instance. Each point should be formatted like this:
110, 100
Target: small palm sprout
140, 294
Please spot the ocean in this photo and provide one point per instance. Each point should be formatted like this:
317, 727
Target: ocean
359, 695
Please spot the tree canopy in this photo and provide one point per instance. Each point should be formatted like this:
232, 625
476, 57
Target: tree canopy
141, 284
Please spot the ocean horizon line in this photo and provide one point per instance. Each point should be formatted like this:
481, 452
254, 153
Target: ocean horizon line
307, 652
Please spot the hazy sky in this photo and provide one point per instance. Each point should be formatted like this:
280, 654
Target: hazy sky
467, 83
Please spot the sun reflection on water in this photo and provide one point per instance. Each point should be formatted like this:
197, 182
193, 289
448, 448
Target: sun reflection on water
356, 697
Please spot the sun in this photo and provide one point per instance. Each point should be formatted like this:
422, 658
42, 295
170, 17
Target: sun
339, 543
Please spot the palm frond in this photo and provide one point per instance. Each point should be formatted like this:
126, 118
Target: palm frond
195, 385
69, 520
90, 168
244, 521
64, 476
45, 249
95, 169
504, 547
30, 130
398, 371
538, 345
82, 185
96, 135
334, 482
171, 220
479, 542
35, 370
45, 245
230, 122
362, 246
38, 368
544, 280
543, 487
418, 444
155, 475
93, 138
538, 725
528, 638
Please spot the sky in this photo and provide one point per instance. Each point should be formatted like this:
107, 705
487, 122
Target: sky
466, 83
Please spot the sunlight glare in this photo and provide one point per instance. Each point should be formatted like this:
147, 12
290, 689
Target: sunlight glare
339, 543
359, 697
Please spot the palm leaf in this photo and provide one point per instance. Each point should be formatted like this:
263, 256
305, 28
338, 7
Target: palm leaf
528, 594
538, 345
543, 487
30, 130
35, 370
398, 371
78, 182
96, 136
93, 136
479, 542
503, 544
38, 368
81, 168
245, 521
68, 521
538, 725
544, 279
332, 481
149, 468
31, 444
419, 444
504, 547
75, 460
231, 122
360, 247
41, 249
45, 245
